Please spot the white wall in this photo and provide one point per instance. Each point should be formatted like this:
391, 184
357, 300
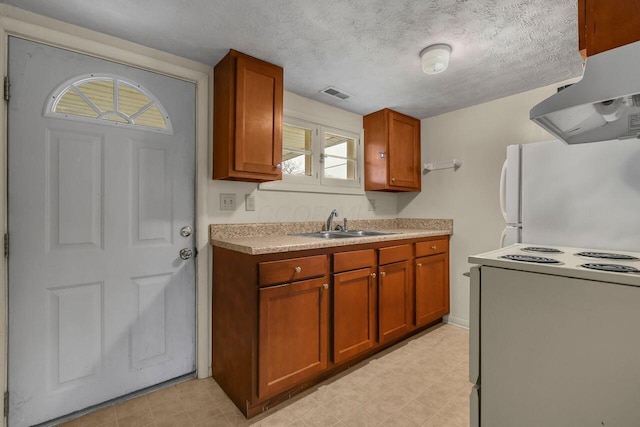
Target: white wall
281, 206
478, 136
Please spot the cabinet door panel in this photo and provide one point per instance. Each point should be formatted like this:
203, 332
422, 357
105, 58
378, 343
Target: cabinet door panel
432, 288
404, 151
610, 24
354, 313
293, 334
394, 302
259, 99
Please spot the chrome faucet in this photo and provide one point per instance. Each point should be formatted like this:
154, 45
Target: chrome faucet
333, 214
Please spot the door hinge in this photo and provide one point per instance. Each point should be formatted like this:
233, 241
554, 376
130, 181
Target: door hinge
6, 245
6, 88
6, 404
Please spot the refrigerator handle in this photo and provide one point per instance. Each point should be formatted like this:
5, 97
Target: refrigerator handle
503, 191
503, 237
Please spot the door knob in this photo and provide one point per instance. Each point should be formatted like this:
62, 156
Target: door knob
186, 231
186, 253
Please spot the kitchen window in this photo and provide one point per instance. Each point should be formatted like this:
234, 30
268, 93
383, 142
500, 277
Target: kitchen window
319, 158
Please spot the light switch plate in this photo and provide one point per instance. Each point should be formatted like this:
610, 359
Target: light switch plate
227, 202
249, 202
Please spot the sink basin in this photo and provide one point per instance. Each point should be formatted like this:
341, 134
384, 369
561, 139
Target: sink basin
366, 233
326, 234
343, 234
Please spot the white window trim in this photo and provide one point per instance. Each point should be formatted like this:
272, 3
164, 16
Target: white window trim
317, 183
62, 89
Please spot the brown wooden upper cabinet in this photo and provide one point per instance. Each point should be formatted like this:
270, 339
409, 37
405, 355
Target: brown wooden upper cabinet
392, 152
247, 119
607, 24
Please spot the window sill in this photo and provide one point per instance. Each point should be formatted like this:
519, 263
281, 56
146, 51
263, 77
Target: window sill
309, 188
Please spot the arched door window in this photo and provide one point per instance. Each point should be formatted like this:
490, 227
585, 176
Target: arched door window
109, 100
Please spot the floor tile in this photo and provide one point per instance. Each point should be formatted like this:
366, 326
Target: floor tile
420, 382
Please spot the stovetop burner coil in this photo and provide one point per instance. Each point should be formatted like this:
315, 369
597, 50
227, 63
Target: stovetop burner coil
615, 268
542, 250
531, 258
607, 255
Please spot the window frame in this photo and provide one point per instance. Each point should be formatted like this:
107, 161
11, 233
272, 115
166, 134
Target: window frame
69, 85
317, 182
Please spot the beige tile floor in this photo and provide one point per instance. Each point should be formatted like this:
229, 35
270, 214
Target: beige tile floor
419, 382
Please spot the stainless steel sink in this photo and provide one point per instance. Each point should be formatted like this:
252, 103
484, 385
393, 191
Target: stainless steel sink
342, 234
366, 233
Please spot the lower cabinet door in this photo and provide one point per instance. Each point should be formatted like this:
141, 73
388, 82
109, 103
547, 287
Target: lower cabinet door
354, 313
432, 288
293, 330
394, 300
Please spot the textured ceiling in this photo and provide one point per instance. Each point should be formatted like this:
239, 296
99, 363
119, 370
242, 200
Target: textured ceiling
367, 48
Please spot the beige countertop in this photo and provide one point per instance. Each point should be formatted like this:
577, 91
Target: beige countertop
258, 239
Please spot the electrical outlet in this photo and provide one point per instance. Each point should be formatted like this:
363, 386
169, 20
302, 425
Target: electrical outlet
372, 204
227, 202
249, 202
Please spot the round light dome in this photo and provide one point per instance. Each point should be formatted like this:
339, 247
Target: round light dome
435, 58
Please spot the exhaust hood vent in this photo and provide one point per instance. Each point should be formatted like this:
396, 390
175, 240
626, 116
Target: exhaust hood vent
604, 105
332, 91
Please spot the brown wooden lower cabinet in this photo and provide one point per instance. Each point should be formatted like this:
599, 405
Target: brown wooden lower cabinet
432, 288
284, 321
293, 334
394, 303
354, 313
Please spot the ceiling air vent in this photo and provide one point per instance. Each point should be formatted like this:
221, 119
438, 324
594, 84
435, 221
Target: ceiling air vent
332, 91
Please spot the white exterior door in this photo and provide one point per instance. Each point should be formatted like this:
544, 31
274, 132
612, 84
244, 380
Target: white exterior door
100, 302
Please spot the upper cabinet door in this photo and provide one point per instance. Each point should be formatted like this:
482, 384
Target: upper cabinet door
605, 25
248, 102
392, 152
404, 151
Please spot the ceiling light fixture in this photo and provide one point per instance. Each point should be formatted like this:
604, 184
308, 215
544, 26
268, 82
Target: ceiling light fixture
435, 58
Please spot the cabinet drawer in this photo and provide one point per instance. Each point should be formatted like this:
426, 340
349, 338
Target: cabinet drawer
432, 247
346, 261
395, 254
292, 269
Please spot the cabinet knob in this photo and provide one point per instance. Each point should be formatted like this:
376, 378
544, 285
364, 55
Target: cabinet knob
325, 285
373, 275
419, 264
393, 180
297, 269
382, 274
433, 247
278, 166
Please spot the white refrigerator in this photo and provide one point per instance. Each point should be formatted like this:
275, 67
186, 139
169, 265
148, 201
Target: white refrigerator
584, 195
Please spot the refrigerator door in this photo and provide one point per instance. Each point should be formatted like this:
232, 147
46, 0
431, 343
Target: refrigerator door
510, 235
584, 195
474, 326
510, 186
474, 407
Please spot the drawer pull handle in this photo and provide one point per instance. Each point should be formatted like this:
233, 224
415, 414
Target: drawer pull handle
433, 247
298, 269
382, 274
373, 275
420, 264
325, 285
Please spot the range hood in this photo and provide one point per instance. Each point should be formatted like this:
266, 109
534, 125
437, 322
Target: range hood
604, 105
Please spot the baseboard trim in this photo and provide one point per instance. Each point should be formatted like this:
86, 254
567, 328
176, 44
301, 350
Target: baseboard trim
456, 321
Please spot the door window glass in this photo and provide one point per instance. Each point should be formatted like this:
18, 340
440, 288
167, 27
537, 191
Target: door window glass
108, 100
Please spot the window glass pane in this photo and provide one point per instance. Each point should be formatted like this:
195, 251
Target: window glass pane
339, 157
296, 151
72, 103
115, 118
152, 118
131, 100
100, 92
